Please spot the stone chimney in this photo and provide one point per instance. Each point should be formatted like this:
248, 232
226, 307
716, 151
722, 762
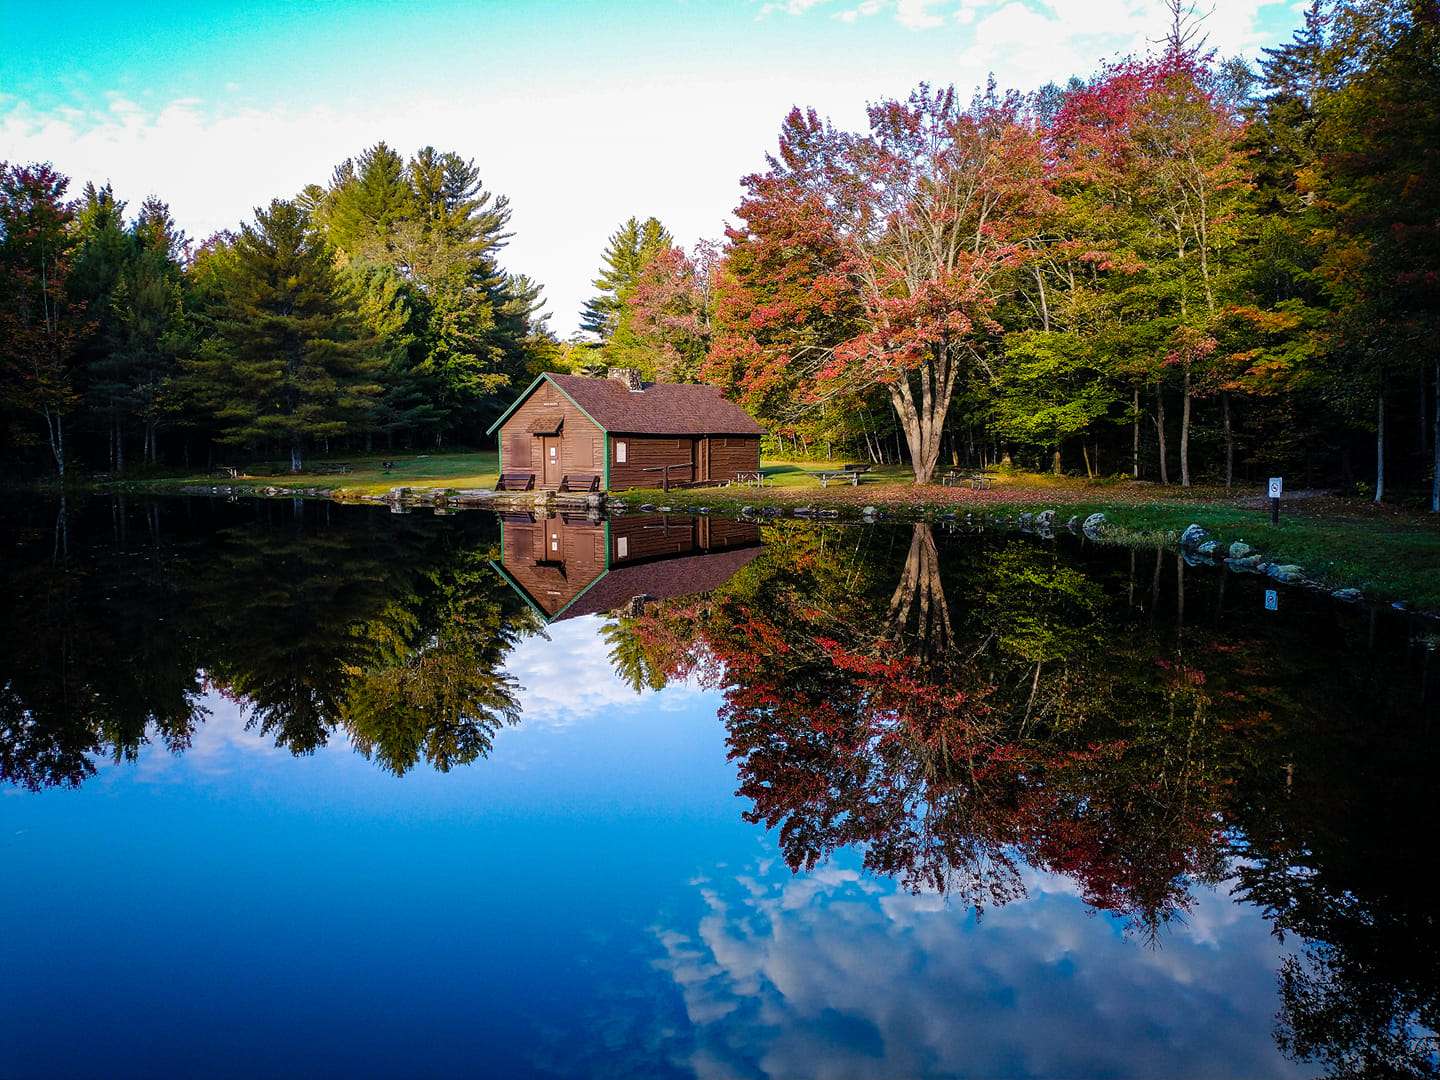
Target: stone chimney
629, 378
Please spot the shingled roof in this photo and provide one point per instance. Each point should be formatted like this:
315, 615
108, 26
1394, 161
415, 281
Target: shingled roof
659, 409
661, 579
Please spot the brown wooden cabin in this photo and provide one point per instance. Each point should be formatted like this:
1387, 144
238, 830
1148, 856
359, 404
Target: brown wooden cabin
570, 565
632, 434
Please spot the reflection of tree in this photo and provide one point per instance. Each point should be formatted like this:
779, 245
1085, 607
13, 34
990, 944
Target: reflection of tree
438, 690
973, 714
96, 661
310, 618
1335, 854
920, 589
661, 643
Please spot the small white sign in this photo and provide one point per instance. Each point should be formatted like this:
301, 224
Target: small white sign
1277, 483
1272, 600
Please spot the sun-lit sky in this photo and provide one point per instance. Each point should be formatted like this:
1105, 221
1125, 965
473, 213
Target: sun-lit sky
583, 114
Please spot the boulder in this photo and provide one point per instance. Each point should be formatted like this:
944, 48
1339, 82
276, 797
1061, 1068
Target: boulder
648, 508
1287, 573
1350, 596
1194, 536
1026, 520
1250, 564
1045, 520
1241, 550
1210, 549
868, 511
1073, 524
1093, 524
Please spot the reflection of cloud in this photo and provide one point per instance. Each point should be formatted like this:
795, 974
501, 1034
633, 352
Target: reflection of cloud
220, 737
831, 974
570, 677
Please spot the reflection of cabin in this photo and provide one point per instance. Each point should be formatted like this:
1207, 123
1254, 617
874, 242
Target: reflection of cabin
629, 433
570, 565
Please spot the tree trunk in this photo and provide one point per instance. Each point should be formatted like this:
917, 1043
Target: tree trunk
1380, 442
1135, 438
55, 425
1229, 439
1055, 466
296, 459
1435, 446
1160, 431
923, 421
1185, 433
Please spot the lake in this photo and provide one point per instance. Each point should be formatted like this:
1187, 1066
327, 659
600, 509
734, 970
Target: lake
298, 789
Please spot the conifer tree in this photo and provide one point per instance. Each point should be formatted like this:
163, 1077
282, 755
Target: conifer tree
290, 361
630, 247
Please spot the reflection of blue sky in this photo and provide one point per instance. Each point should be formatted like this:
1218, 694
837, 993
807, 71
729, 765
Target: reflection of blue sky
586, 902
832, 974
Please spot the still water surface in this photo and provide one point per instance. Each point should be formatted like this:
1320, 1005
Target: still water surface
309, 790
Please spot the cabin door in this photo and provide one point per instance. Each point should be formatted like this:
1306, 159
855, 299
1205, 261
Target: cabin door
550, 461
701, 458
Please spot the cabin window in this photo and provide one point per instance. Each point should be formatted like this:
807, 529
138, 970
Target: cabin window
622, 546
622, 450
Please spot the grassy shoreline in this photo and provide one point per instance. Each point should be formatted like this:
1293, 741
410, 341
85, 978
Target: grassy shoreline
1390, 552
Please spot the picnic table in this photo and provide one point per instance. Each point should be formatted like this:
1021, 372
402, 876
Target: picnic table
827, 475
978, 481
751, 479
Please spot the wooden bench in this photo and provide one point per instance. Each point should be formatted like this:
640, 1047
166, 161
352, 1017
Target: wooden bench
579, 483
515, 481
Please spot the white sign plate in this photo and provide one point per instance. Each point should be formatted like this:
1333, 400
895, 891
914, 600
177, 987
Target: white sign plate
1272, 600
1276, 484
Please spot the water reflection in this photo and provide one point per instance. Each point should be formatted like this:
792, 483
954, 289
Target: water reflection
391, 628
966, 715
958, 719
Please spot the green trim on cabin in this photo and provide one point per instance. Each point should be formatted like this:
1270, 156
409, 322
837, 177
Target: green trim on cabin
522, 398
519, 589
525, 396
516, 404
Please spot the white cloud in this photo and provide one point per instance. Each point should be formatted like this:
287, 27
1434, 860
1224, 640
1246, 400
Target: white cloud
917, 14
827, 974
570, 678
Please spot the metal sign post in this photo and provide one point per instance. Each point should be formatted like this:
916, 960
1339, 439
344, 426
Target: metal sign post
1277, 484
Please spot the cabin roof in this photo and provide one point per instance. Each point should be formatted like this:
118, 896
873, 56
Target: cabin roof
660, 579
660, 409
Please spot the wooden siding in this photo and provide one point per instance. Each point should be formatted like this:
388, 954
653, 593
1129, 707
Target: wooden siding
733, 454
638, 537
649, 452
554, 559
581, 445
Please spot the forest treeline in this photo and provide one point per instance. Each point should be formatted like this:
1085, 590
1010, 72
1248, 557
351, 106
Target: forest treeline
366, 313
1179, 268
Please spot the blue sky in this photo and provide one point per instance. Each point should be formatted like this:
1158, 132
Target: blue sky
582, 113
